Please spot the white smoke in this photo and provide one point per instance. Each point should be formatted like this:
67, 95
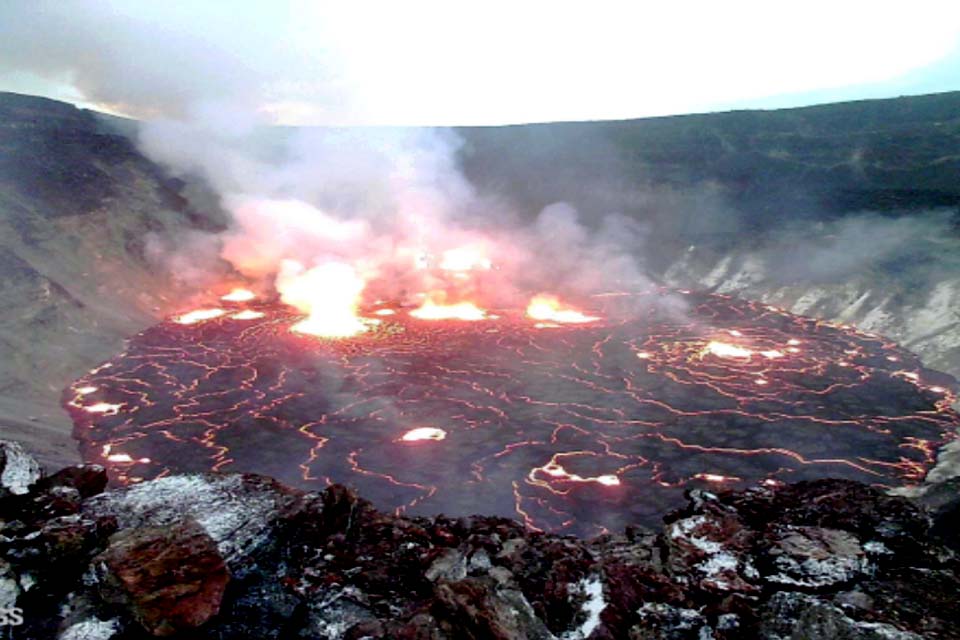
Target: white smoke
394, 205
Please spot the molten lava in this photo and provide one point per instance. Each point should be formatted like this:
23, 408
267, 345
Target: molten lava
247, 314
555, 470
548, 308
726, 350
103, 408
580, 430
433, 310
424, 433
239, 295
329, 294
464, 259
200, 315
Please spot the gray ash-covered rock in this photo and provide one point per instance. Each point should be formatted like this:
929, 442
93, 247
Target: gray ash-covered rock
18, 470
242, 556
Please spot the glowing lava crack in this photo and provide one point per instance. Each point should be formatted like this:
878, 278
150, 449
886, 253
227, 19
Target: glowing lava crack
588, 426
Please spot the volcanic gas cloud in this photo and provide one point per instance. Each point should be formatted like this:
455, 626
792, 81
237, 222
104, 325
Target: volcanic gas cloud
395, 331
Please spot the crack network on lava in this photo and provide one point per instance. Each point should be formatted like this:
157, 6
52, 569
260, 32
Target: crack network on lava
580, 428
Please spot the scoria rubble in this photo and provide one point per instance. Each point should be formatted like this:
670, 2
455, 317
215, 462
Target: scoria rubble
242, 556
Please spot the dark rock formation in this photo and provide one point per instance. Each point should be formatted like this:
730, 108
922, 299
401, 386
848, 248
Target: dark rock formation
79, 206
231, 556
821, 161
943, 500
171, 579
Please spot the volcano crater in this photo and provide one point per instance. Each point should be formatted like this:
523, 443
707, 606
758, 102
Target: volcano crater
580, 428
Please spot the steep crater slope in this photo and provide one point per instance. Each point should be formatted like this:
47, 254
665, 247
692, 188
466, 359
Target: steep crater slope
78, 205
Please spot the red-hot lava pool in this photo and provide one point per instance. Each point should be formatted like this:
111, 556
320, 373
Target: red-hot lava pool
573, 428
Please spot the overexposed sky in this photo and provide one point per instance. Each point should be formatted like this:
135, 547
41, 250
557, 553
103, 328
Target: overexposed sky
459, 63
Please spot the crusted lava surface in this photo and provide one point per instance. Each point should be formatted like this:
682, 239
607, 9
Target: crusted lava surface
575, 429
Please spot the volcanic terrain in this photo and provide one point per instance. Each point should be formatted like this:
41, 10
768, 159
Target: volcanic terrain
575, 428
78, 201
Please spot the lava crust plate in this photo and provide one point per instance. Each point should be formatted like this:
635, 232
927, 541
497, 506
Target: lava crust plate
575, 428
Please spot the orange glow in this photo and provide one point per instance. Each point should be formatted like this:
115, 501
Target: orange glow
120, 457
726, 350
247, 314
104, 408
464, 259
545, 307
200, 315
715, 477
556, 470
431, 310
239, 295
329, 294
424, 433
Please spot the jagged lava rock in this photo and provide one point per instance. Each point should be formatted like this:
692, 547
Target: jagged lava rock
171, 579
238, 511
821, 559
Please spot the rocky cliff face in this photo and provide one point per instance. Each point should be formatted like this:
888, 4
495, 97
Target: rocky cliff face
921, 316
78, 205
241, 556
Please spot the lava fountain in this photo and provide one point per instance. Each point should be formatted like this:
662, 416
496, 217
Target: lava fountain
600, 422
329, 294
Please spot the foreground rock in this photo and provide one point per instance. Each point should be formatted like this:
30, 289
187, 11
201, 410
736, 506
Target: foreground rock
18, 470
241, 556
171, 579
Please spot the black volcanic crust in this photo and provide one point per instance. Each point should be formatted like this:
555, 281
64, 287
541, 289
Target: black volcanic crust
242, 556
841, 403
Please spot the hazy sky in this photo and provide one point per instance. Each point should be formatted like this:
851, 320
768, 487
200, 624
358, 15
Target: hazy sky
490, 62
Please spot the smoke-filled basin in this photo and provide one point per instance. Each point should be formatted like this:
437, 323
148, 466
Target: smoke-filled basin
574, 421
